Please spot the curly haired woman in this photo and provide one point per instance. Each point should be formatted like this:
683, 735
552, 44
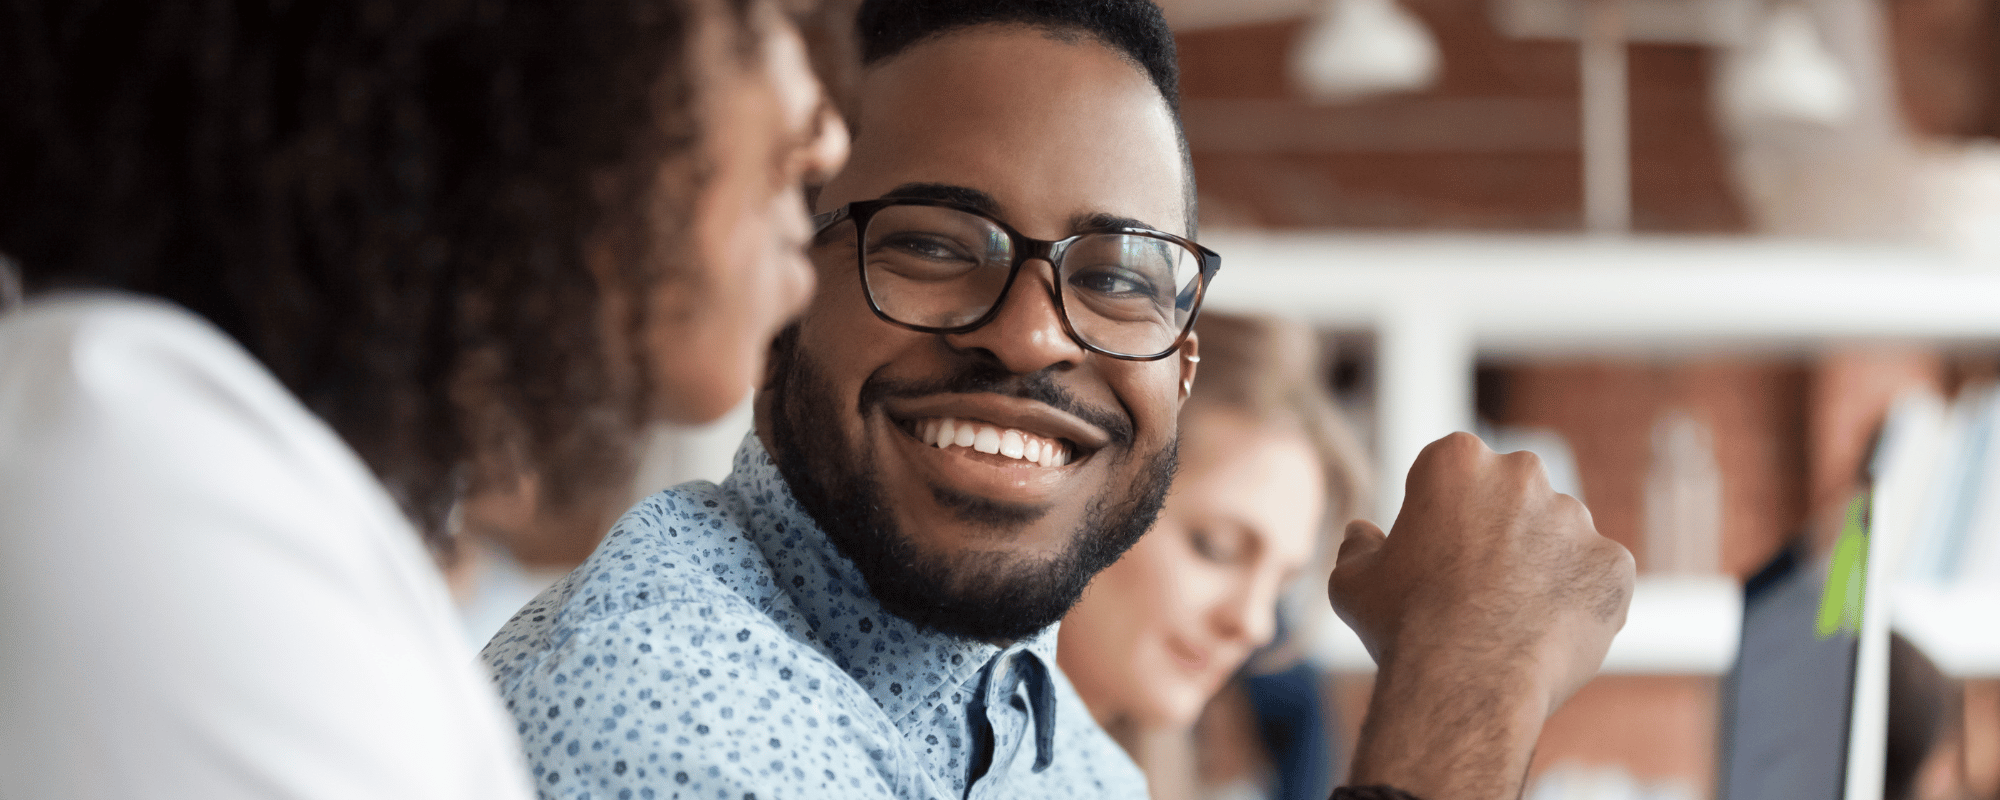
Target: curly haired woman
302, 275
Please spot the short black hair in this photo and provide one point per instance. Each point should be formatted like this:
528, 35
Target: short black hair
388, 204
1135, 29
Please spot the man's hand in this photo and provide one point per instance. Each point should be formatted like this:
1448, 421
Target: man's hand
1494, 600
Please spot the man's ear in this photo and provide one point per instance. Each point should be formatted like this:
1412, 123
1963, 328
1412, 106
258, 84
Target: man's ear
1190, 358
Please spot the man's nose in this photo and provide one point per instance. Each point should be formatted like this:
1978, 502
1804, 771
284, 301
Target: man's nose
1027, 334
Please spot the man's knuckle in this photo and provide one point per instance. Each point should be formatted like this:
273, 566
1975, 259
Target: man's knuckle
1627, 566
1613, 560
1456, 447
1622, 582
1524, 459
1524, 470
1574, 511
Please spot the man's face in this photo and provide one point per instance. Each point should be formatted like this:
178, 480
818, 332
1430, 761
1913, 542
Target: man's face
1054, 138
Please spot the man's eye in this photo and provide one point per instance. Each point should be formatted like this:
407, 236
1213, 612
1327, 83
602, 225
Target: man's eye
1115, 282
923, 245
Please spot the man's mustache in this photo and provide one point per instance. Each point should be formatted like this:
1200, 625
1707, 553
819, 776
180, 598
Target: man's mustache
982, 378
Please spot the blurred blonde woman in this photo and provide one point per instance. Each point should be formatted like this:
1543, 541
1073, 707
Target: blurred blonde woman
1266, 463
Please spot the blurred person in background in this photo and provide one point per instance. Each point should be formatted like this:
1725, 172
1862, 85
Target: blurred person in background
1266, 462
301, 276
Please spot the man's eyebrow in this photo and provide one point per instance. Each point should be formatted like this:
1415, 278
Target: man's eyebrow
1102, 221
960, 195
985, 203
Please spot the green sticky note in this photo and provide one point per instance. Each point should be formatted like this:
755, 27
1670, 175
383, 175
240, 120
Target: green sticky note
1840, 600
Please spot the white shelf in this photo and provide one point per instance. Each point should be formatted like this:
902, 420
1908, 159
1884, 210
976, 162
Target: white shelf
1676, 626
1691, 626
1959, 627
1438, 301
1566, 292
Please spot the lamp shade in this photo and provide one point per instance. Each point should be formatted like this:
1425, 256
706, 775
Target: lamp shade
1354, 48
1788, 73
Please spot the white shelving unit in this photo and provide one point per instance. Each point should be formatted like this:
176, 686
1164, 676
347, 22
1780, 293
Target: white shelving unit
1676, 626
1436, 303
1937, 621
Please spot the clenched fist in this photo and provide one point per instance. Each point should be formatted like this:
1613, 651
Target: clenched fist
1492, 601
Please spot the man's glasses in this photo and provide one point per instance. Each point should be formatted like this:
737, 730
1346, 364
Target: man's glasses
936, 267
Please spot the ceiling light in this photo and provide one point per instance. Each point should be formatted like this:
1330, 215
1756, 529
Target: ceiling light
1787, 72
1353, 48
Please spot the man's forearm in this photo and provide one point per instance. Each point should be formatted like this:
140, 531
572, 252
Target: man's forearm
1450, 737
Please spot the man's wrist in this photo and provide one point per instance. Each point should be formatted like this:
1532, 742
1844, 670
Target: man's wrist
1466, 730
1372, 793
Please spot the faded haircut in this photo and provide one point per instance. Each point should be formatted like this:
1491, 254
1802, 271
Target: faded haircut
1135, 29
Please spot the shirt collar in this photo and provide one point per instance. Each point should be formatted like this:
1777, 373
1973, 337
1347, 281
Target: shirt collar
903, 667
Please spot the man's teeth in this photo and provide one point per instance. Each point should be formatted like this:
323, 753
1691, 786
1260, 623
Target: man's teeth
949, 432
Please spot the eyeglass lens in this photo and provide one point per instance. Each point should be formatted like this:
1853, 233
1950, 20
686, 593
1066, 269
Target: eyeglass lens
941, 268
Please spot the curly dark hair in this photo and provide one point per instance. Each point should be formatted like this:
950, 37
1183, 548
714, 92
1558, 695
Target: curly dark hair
387, 203
1135, 29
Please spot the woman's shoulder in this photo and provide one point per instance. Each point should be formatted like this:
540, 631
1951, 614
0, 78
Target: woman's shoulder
106, 358
51, 331
125, 392
200, 548
132, 426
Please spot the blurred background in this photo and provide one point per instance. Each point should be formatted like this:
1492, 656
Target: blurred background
1692, 252
1723, 264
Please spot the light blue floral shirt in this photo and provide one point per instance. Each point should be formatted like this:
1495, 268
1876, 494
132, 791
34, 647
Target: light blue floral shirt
717, 646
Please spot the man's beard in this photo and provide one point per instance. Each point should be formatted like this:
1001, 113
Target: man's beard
987, 596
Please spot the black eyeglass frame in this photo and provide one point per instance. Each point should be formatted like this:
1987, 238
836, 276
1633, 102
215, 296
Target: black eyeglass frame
1026, 248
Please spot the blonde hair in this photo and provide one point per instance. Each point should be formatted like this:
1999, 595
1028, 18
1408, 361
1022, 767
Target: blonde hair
1271, 370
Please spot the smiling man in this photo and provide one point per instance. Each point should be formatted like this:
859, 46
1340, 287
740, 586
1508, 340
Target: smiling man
1010, 430
976, 414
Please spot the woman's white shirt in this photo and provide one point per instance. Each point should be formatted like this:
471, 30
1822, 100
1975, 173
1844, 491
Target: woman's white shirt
204, 593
